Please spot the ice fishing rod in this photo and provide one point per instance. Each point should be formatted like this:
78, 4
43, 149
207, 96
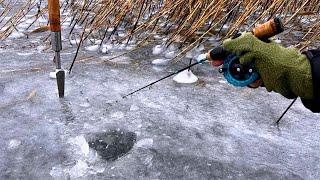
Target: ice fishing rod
55, 27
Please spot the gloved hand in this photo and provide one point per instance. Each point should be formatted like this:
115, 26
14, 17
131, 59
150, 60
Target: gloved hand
283, 70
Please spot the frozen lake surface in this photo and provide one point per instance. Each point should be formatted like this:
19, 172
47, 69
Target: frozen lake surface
206, 130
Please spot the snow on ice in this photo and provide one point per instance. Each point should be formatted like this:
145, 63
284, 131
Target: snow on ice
185, 77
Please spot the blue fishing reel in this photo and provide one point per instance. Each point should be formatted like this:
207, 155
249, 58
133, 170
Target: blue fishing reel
238, 74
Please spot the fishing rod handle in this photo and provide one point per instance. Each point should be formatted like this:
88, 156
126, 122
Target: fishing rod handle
262, 32
54, 15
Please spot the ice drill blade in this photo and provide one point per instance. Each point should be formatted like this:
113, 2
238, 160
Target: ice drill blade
60, 82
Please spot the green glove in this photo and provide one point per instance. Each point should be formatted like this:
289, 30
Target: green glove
283, 70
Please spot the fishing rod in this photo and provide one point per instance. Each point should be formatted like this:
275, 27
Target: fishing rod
161, 79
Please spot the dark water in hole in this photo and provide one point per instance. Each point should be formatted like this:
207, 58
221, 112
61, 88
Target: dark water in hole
113, 144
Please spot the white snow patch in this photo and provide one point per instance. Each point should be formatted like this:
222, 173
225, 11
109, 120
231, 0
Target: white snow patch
161, 62
14, 144
170, 55
92, 48
16, 35
185, 77
79, 169
158, 49
145, 143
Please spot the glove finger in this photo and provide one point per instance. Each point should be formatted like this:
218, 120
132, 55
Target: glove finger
243, 43
247, 58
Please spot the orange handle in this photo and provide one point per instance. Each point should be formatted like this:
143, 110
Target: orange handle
54, 15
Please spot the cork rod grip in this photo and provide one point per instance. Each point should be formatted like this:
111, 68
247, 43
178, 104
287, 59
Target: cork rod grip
54, 15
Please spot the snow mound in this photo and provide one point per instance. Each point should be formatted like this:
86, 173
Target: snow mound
185, 77
161, 62
92, 48
158, 49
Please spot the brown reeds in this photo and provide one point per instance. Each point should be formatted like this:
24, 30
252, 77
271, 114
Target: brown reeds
186, 22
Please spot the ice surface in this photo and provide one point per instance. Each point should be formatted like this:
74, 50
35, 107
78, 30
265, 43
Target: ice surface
79, 170
134, 108
170, 55
117, 115
161, 62
41, 48
145, 143
185, 77
118, 60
